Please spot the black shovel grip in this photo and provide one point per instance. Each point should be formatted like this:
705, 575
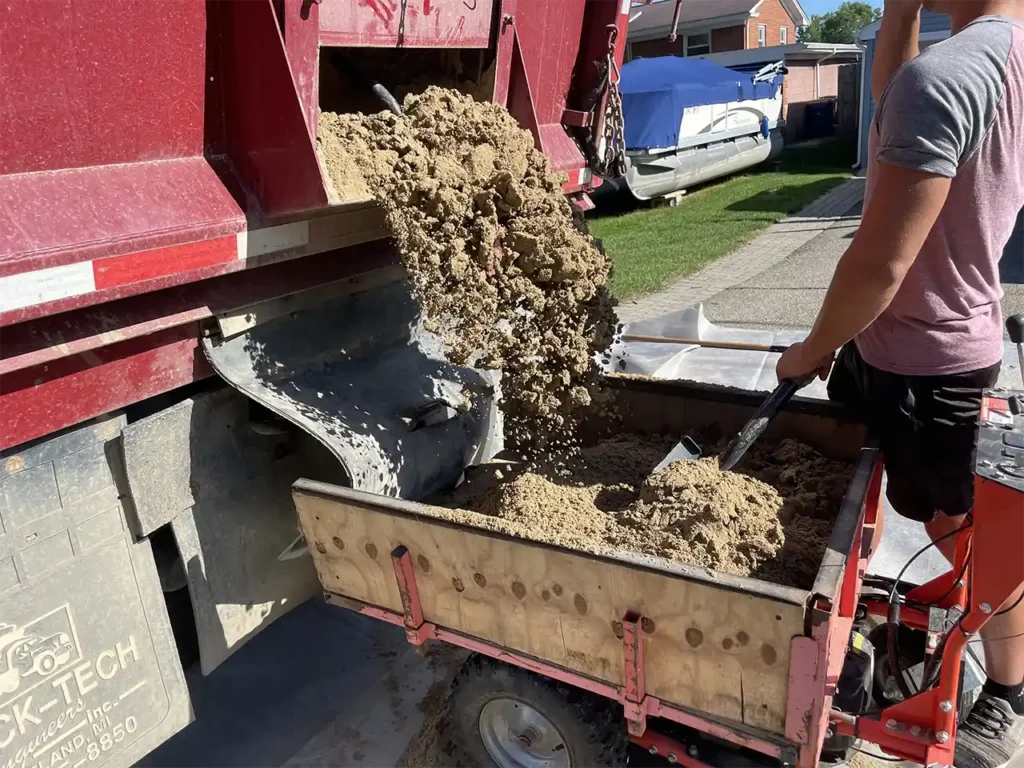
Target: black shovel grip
754, 428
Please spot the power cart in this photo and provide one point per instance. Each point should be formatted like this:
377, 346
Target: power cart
576, 655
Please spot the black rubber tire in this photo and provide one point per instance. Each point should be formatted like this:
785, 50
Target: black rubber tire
593, 727
912, 651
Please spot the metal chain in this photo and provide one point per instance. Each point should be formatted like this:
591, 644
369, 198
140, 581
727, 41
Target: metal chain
401, 25
612, 161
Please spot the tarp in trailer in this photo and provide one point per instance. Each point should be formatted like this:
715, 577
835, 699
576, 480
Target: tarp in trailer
656, 91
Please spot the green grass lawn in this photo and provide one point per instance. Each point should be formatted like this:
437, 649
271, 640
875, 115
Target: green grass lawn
652, 246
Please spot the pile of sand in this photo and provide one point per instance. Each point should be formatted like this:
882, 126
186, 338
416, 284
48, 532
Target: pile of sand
495, 253
770, 520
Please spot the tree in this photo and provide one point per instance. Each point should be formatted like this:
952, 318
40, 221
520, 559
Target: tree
840, 25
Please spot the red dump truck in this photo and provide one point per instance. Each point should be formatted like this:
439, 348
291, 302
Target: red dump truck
190, 321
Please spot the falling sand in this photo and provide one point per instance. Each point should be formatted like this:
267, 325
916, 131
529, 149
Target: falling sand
497, 256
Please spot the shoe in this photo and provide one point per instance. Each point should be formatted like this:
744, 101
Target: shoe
990, 736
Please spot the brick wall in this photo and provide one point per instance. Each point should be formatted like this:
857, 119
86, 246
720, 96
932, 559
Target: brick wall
774, 17
798, 89
800, 82
725, 39
728, 39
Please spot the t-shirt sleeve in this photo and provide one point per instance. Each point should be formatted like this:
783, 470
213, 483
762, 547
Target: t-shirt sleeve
936, 110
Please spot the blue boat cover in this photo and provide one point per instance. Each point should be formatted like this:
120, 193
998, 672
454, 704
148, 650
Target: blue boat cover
656, 91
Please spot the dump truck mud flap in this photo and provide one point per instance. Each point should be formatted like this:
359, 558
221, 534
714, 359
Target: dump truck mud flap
89, 673
224, 490
359, 373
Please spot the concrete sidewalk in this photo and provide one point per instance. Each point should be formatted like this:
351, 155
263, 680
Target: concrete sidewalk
765, 251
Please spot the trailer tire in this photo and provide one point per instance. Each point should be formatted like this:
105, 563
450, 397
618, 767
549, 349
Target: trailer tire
589, 730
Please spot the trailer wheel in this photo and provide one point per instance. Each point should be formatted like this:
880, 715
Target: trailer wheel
912, 653
507, 717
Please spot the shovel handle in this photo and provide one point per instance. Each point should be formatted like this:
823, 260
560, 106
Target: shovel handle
754, 428
750, 347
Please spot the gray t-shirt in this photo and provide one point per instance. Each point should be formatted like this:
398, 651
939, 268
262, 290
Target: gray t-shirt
957, 110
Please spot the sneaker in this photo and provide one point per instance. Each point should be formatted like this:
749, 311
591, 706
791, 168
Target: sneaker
990, 736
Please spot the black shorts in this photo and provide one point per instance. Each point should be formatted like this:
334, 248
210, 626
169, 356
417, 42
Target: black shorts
926, 426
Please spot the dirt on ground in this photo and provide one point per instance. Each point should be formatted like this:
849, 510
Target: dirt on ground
497, 256
771, 519
430, 745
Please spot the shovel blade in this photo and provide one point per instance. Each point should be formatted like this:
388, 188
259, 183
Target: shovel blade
685, 450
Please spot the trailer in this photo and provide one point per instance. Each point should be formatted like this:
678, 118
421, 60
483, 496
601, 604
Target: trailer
191, 320
576, 655
736, 658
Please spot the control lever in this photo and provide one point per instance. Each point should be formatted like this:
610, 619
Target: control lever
1015, 327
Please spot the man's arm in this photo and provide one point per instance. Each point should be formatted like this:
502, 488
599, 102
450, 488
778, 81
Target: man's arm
895, 225
896, 43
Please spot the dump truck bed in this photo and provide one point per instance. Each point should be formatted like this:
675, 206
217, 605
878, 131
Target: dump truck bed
715, 644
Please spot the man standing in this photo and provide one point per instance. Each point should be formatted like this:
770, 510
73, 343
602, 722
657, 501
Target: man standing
915, 302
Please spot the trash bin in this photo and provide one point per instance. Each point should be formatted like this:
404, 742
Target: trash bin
819, 119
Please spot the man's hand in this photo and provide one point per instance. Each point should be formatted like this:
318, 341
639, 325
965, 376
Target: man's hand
795, 364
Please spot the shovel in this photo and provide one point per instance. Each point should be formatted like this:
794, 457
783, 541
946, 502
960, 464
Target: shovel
685, 450
754, 428
688, 450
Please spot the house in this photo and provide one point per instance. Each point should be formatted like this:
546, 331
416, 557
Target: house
814, 73
713, 26
934, 27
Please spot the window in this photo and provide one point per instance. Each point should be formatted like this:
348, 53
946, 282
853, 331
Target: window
698, 45
784, 35
762, 35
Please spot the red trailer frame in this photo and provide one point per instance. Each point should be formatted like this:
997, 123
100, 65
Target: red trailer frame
921, 729
815, 660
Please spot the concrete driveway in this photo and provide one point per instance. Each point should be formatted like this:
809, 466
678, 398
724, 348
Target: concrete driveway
789, 294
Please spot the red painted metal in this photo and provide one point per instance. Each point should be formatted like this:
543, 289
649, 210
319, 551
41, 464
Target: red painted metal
921, 729
416, 632
139, 177
634, 688
38, 401
538, 44
124, 82
817, 661
57, 336
265, 130
160, 262
67, 216
124, 337
406, 23
300, 25
802, 695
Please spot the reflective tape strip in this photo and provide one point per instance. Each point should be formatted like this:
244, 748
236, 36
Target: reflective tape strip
259, 242
42, 285
578, 177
